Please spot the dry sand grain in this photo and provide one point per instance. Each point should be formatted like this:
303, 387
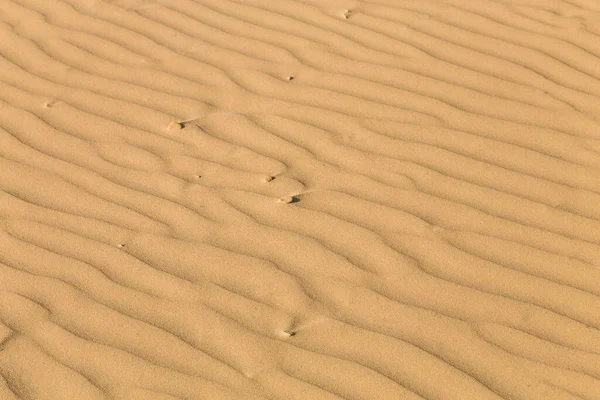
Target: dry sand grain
300, 199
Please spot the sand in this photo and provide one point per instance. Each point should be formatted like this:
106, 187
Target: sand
300, 199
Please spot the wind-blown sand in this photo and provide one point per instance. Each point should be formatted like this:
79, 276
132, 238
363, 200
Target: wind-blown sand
300, 199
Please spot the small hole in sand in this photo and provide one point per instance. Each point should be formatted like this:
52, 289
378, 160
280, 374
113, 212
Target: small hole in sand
269, 178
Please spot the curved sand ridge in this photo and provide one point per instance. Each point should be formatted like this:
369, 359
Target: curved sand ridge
258, 199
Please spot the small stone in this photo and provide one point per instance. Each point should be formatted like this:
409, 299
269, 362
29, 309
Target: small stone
286, 199
290, 78
269, 178
290, 333
175, 126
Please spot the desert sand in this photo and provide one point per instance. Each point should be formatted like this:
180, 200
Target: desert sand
300, 199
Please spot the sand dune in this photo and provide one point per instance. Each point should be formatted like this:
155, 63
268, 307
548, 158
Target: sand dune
300, 199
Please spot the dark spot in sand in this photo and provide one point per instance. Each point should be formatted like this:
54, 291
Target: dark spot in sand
51, 103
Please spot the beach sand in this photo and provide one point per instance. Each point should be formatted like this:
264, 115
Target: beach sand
299, 199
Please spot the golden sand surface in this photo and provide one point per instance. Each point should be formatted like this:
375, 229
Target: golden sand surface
299, 199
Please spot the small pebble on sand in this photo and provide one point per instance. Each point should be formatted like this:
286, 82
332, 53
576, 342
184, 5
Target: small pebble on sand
175, 126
